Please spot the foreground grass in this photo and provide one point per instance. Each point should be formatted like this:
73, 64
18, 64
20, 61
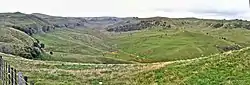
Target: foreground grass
227, 69
66, 73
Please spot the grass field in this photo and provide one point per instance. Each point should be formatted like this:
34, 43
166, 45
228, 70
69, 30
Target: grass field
227, 68
230, 68
78, 45
186, 54
147, 46
168, 45
153, 56
66, 73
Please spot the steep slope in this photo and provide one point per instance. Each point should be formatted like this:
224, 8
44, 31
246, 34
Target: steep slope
78, 45
83, 22
21, 24
27, 23
62, 22
16, 42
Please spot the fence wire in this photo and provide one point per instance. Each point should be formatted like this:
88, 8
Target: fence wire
9, 75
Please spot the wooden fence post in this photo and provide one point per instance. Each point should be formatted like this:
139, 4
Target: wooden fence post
6, 73
20, 79
9, 74
15, 77
3, 72
1, 59
12, 80
26, 80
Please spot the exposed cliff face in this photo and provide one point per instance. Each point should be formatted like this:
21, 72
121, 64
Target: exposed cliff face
160, 22
74, 22
40, 23
29, 24
16, 30
136, 24
62, 22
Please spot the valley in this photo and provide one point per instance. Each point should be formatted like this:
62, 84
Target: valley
55, 50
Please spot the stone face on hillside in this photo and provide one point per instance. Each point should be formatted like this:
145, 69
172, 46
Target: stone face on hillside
74, 22
39, 23
137, 25
165, 23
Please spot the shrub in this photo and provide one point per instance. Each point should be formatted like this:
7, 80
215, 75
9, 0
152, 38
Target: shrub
42, 45
229, 48
51, 53
217, 25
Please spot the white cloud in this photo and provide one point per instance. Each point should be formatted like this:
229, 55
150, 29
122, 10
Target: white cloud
128, 8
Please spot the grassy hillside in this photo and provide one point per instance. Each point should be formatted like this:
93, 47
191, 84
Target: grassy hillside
78, 45
16, 42
176, 44
227, 68
230, 68
29, 24
65, 73
145, 46
162, 50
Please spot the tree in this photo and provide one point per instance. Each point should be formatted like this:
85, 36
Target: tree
42, 45
51, 53
35, 44
218, 25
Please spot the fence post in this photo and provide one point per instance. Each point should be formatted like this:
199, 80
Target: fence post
12, 80
15, 77
6, 73
26, 80
9, 79
20, 78
9, 75
3, 72
1, 59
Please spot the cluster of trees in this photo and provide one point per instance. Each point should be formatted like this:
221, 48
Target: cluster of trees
228, 48
138, 26
169, 23
230, 24
36, 50
32, 29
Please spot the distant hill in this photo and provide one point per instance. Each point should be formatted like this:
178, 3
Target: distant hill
40, 23
176, 23
126, 51
37, 23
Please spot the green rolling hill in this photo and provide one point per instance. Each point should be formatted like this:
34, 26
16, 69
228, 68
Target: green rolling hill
54, 50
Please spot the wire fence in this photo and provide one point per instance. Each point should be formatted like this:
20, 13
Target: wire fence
10, 76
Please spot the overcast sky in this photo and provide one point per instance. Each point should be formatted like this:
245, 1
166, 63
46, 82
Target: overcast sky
221, 9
